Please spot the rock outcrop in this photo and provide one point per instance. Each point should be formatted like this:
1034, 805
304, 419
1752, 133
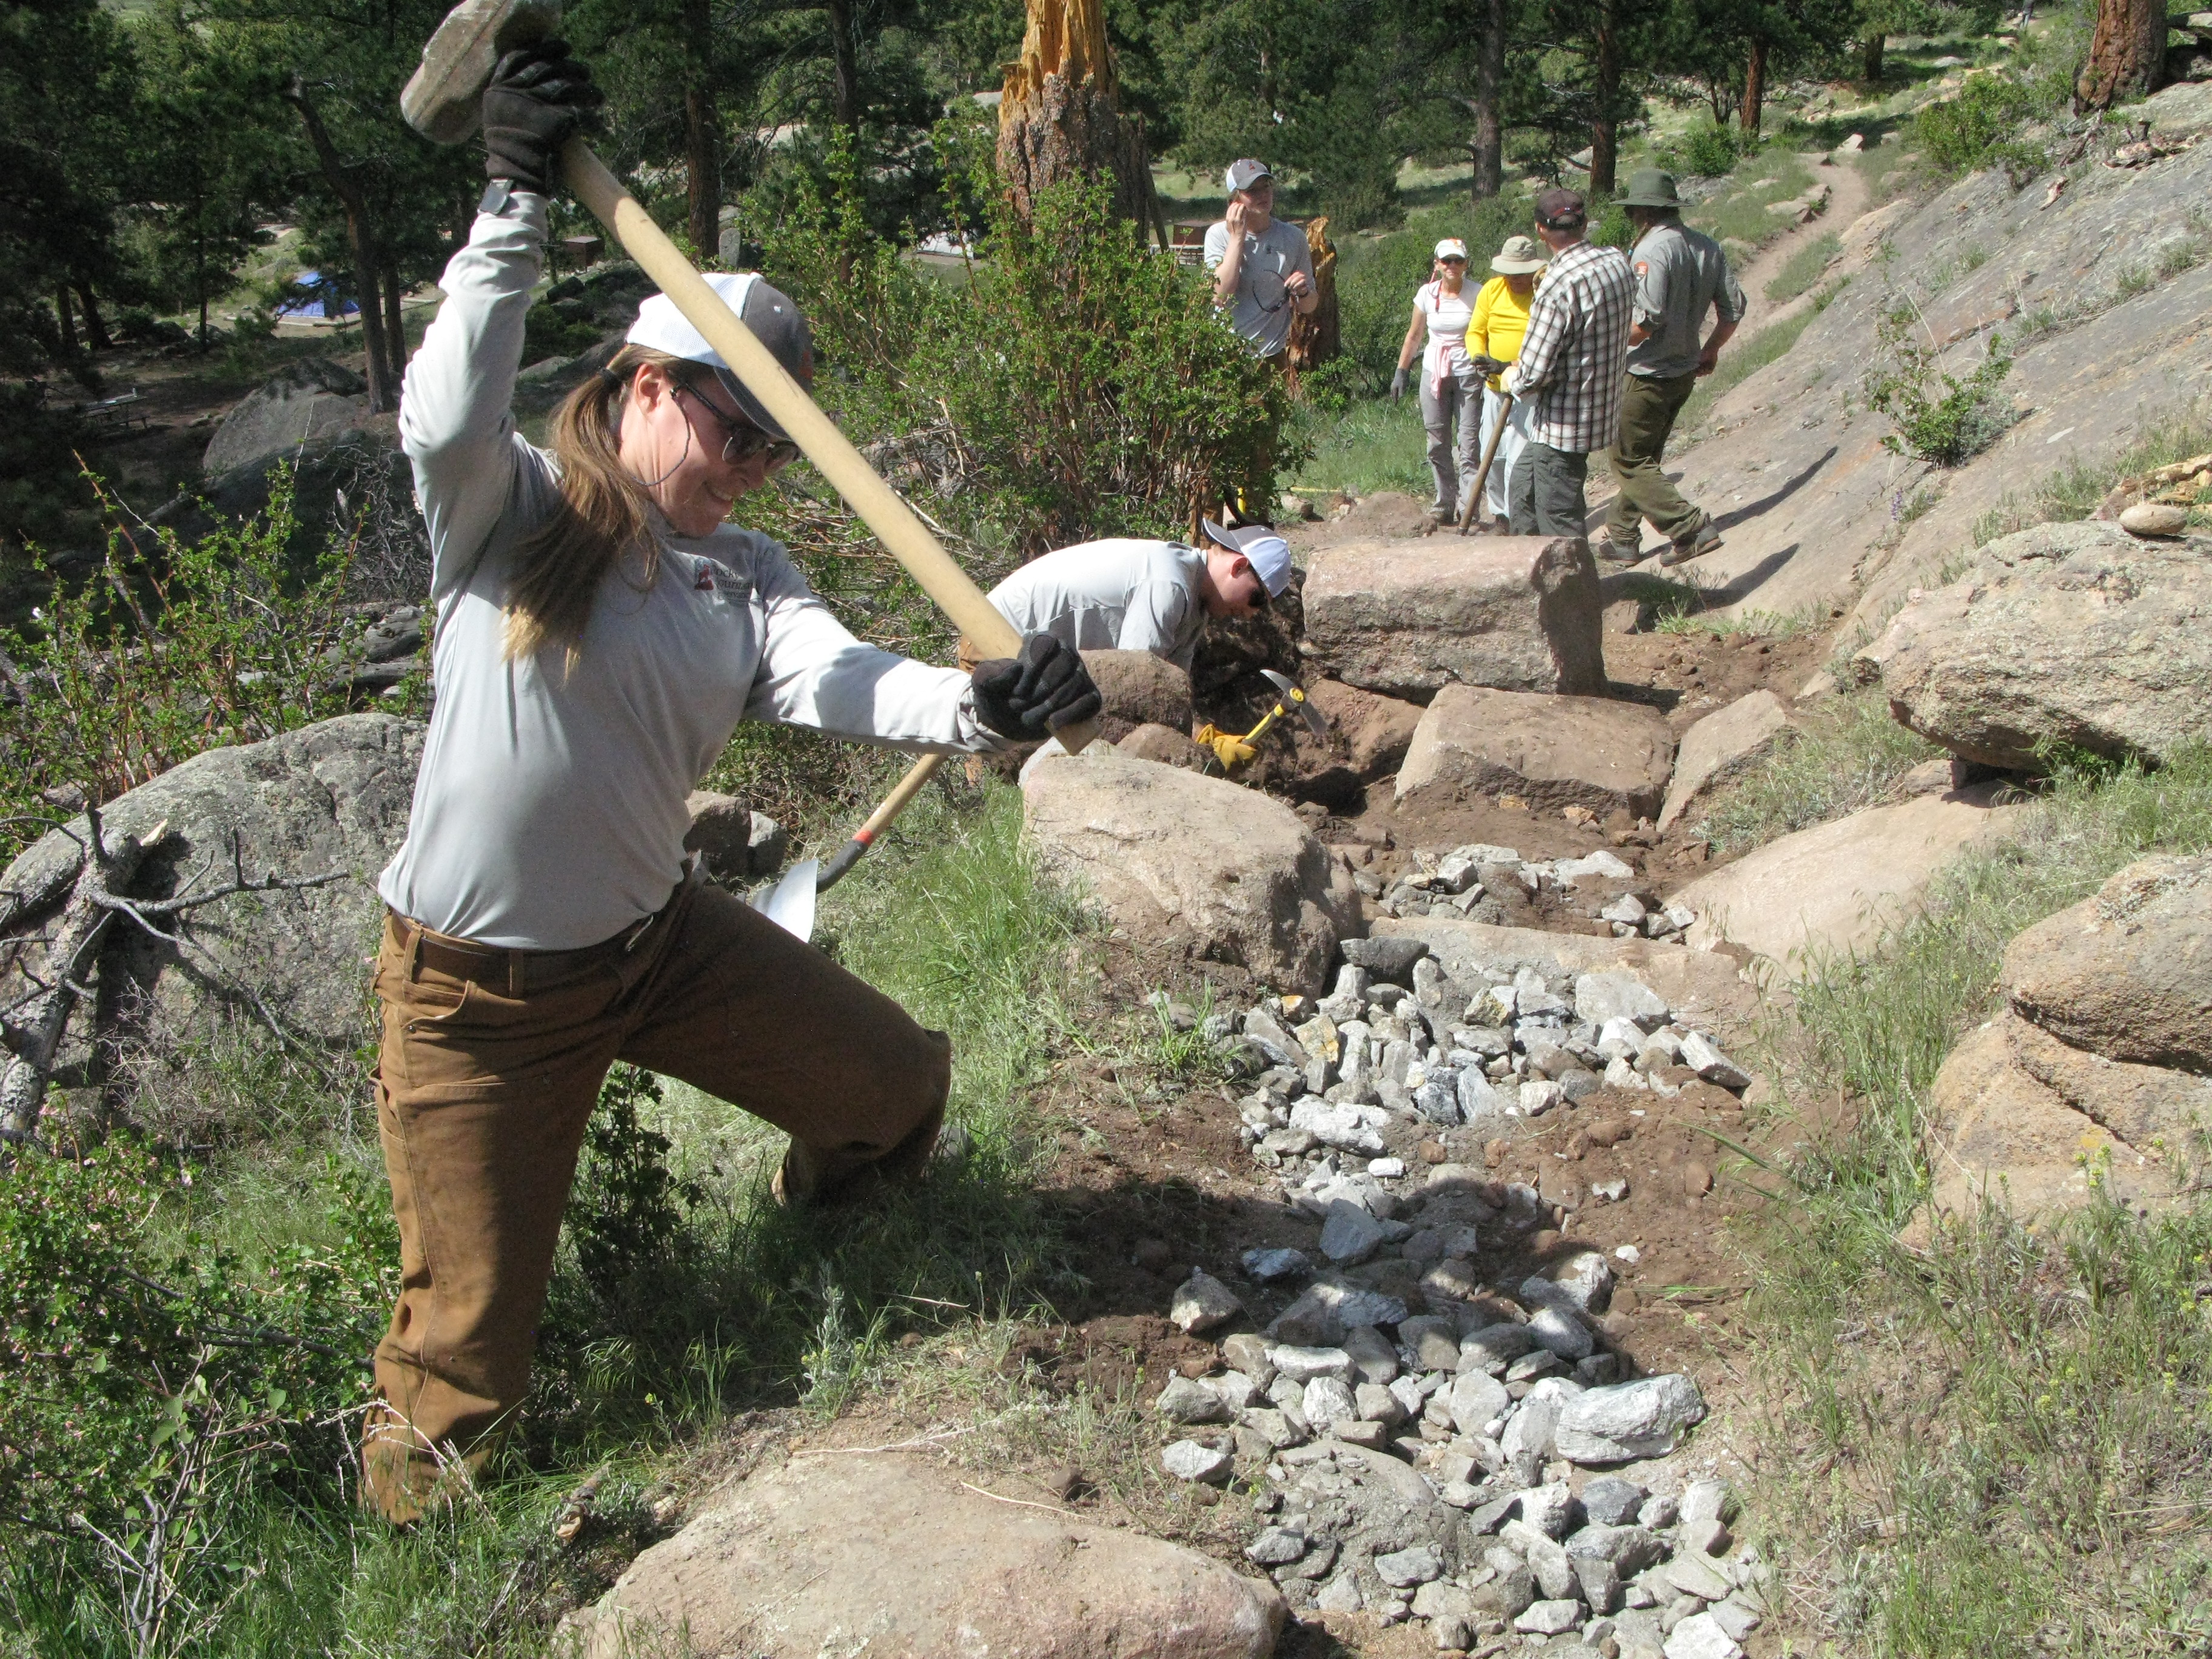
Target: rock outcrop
1837, 886
331, 797
306, 406
2065, 636
1718, 749
2127, 973
1551, 751
1407, 618
890, 1554
1169, 854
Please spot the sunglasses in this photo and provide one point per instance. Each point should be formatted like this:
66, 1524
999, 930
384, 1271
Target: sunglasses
744, 440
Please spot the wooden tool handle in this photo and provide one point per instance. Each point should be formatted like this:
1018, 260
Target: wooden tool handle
1489, 455
879, 505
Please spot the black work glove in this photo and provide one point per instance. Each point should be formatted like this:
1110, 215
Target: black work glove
538, 96
1486, 366
1028, 697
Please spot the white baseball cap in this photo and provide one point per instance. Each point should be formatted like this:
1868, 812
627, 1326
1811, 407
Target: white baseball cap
1268, 554
1451, 248
771, 315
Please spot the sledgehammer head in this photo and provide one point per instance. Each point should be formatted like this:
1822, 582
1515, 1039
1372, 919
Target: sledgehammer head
443, 101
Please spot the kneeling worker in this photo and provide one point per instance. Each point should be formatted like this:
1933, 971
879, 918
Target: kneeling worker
1128, 594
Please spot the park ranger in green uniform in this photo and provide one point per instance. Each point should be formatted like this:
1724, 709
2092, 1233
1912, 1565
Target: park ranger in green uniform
1680, 275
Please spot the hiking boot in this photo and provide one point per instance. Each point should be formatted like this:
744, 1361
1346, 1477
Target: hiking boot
1699, 542
1613, 552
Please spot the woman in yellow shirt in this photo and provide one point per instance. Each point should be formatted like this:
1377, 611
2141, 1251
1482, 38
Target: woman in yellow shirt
1500, 321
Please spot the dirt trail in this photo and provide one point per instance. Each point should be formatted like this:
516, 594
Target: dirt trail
1847, 200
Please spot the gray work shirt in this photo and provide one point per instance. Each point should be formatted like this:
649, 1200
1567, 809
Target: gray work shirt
1680, 275
1119, 594
1264, 305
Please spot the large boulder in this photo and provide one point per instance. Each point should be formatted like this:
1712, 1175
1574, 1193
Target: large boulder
1552, 751
2064, 637
1719, 748
2003, 1137
1837, 886
331, 797
304, 407
888, 1554
1138, 689
1407, 618
2127, 973
1168, 852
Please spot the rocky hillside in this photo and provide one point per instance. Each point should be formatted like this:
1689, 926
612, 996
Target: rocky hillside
2098, 278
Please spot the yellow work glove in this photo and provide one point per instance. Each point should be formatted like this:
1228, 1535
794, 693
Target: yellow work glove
1231, 750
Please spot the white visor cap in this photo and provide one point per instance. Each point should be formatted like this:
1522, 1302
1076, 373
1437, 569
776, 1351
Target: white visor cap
1451, 248
765, 309
1268, 554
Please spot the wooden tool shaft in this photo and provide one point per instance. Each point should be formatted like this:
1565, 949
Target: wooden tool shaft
1489, 455
879, 505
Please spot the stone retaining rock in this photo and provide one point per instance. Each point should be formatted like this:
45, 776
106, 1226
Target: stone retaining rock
1164, 745
1138, 689
1407, 618
1719, 748
1552, 751
1169, 852
890, 1554
1837, 886
2127, 973
1373, 730
2073, 635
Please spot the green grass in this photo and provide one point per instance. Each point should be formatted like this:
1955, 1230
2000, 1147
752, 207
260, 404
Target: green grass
750, 1306
1739, 213
1371, 445
2073, 491
1804, 267
1843, 753
1996, 1445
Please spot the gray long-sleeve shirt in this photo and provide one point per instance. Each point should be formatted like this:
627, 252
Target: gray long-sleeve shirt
548, 813
1120, 594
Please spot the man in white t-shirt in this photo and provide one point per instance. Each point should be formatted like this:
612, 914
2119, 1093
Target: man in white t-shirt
1128, 594
1262, 268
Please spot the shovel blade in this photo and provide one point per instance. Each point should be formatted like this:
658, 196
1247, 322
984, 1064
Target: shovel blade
790, 903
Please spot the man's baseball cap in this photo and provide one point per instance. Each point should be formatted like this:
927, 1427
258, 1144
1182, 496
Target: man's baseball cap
1451, 248
1242, 175
1268, 554
1557, 210
771, 315
1519, 256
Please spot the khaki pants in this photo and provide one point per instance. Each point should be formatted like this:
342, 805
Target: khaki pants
491, 1063
1648, 408
1546, 495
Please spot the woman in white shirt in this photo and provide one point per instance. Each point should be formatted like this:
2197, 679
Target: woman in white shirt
1451, 389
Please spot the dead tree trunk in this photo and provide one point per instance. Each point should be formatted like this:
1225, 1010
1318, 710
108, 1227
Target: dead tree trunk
1061, 115
1314, 337
2126, 56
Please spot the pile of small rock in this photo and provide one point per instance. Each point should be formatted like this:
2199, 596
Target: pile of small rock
1397, 1038
1422, 1467
1473, 881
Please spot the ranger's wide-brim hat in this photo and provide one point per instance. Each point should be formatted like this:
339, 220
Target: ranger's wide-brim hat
1650, 187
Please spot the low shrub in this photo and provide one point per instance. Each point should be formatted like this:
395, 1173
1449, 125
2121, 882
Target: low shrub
1081, 385
1708, 150
1939, 417
1980, 127
174, 648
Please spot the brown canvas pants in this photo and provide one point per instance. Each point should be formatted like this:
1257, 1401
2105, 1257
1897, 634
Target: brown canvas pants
491, 1063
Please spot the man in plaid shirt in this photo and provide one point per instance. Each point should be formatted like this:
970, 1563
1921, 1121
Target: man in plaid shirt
1571, 363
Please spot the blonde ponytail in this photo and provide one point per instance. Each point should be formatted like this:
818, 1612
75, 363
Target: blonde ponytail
603, 513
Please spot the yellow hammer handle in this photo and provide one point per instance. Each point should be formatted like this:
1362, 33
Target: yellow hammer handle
879, 505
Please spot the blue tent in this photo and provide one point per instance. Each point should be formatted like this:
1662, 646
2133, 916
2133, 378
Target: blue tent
313, 294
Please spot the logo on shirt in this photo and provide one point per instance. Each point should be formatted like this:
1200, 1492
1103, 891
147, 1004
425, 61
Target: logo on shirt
705, 582
1642, 266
